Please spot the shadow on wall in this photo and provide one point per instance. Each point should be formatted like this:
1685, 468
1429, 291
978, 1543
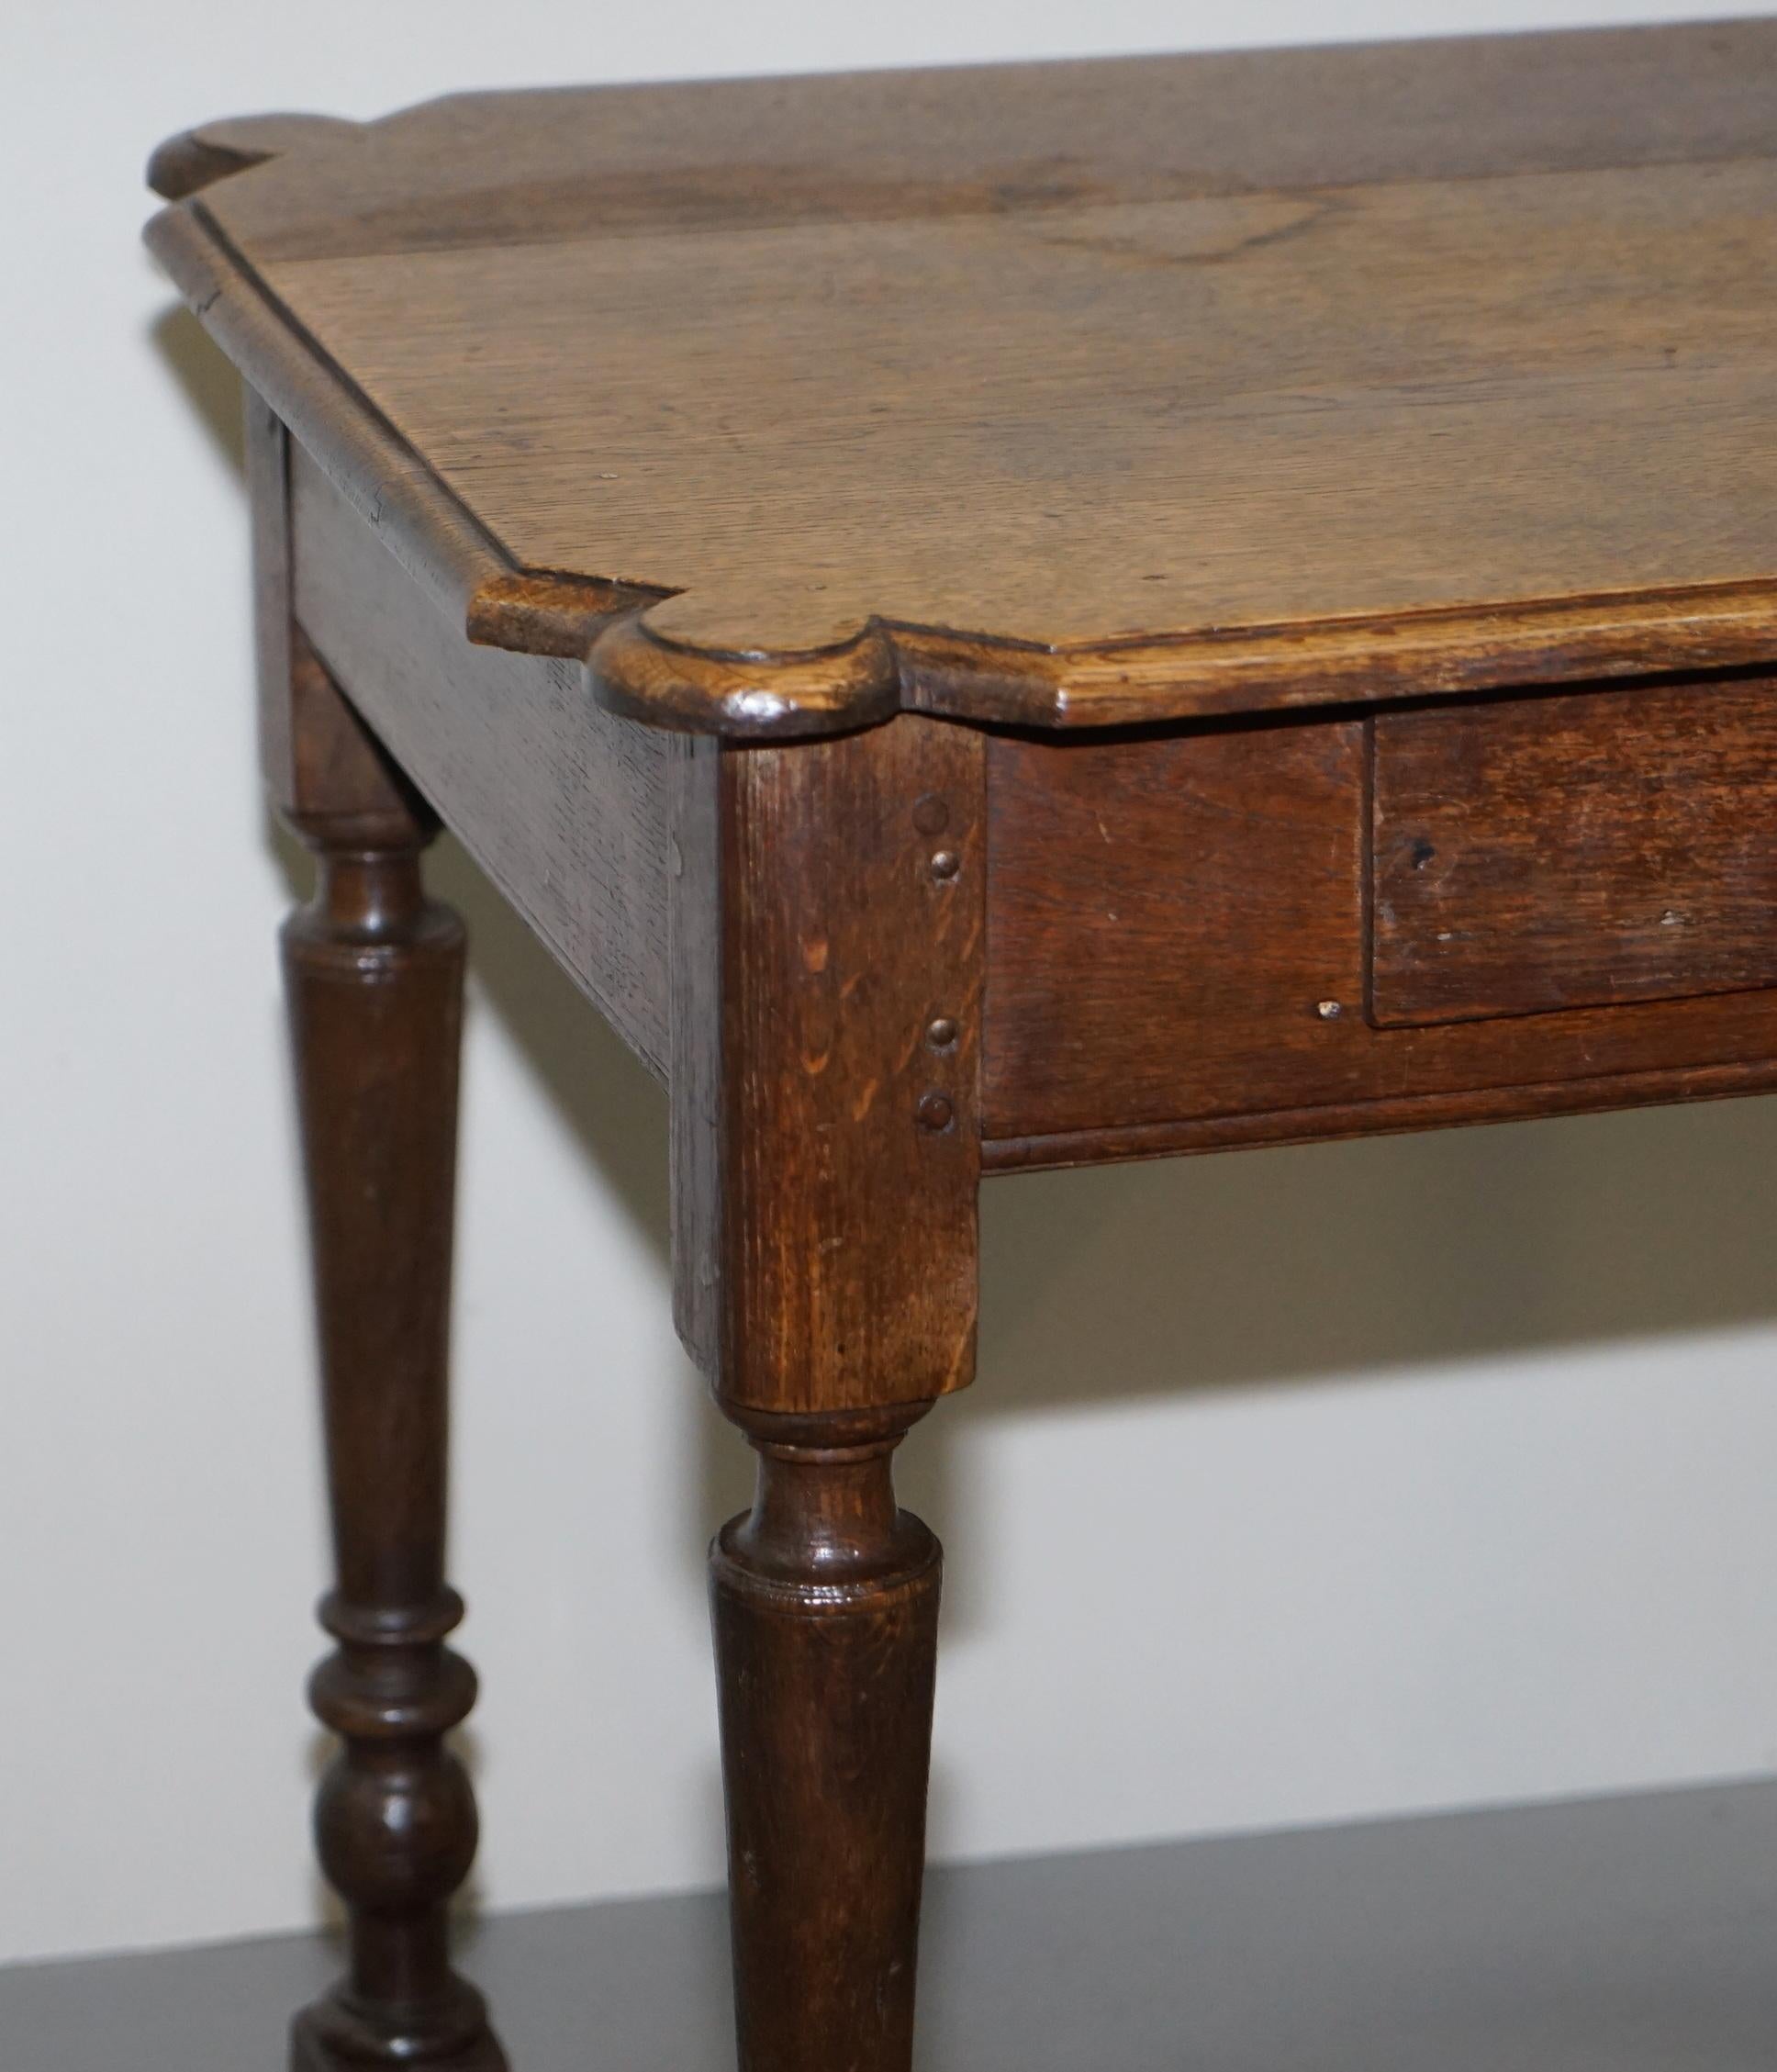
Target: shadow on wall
1268, 1267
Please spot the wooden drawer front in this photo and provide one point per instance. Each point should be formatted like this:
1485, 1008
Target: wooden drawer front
1574, 851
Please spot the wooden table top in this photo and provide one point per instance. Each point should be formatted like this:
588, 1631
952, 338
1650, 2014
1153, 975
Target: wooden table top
1069, 395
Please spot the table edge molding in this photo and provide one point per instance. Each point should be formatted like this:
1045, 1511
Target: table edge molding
883, 667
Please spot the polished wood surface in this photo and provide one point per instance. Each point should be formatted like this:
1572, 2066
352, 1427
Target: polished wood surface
825, 1602
374, 972
1019, 617
1005, 397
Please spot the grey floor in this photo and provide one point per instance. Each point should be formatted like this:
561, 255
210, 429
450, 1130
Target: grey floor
1621, 1935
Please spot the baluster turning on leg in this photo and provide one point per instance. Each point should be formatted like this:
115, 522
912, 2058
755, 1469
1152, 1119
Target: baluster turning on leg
374, 977
826, 1598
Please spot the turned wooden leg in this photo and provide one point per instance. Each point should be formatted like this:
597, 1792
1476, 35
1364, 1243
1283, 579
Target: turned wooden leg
374, 971
825, 1600
827, 921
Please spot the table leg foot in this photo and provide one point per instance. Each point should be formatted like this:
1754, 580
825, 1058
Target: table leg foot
334, 2036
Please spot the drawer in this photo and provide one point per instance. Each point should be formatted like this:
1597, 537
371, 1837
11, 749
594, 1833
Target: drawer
1573, 851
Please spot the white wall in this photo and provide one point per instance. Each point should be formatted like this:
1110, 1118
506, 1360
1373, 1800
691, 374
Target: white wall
1469, 1495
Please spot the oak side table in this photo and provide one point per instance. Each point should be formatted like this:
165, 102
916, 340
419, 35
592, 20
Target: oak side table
989, 619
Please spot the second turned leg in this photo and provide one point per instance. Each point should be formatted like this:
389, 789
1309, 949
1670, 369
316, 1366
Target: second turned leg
374, 971
825, 1599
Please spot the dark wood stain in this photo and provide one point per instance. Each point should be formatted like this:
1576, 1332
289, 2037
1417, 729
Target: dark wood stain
825, 1603
374, 971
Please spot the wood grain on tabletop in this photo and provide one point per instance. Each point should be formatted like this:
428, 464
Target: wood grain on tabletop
1082, 393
